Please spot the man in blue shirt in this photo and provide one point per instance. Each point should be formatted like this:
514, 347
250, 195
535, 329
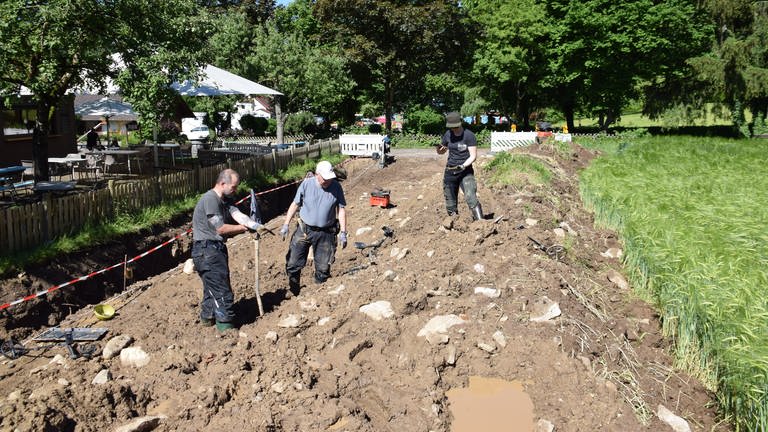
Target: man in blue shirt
322, 214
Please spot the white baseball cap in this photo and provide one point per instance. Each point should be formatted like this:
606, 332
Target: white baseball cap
325, 169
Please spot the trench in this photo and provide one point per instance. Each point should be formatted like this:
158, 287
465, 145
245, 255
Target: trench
29, 317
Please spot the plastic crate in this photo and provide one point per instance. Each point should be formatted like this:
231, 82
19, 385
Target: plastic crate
381, 201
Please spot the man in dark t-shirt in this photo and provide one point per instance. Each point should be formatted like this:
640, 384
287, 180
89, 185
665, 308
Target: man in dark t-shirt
461, 145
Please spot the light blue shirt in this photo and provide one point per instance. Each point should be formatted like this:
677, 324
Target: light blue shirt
318, 205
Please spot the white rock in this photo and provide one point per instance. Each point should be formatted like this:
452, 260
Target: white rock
189, 266
308, 305
486, 347
450, 356
146, 423
430, 254
58, 359
337, 290
291, 321
14, 395
323, 321
393, 253
390, 275
134, 357
488, 292
378, 310
544, 426
271, 336
500, 339
678, 424
420, 197
115, 345
559, 232
436, 330
531, 222
393, 212
568, 228
405, 221
402, 254
102, 377
618, 279
479, 268
363, 230
544, 309
612, 253
62, 382
278, 387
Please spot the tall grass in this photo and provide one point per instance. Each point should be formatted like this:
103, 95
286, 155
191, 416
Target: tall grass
692, 213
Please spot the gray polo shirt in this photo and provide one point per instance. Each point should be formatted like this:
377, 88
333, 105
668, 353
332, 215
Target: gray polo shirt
318, 205
209, 205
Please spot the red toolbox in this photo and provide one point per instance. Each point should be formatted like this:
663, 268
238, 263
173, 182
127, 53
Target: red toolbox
380, 198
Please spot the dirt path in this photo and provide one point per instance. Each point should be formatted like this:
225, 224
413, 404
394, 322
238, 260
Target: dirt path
314, 362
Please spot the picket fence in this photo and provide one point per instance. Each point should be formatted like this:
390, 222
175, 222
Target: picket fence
29, 225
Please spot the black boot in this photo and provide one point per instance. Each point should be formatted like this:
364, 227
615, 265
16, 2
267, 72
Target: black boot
477, 212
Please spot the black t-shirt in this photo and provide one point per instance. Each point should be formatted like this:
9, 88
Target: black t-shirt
458, 146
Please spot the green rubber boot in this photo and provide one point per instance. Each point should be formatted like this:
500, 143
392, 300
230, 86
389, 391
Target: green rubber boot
224, 326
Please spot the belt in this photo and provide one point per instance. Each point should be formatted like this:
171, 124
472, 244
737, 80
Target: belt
206, 243
315, 228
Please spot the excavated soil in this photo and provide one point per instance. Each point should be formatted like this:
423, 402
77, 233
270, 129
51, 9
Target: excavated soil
315, 362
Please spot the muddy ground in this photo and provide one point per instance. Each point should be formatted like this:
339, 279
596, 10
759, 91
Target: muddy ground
315, 362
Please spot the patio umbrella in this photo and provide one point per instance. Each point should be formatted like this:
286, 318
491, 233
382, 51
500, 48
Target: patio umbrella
106, 108
218, 82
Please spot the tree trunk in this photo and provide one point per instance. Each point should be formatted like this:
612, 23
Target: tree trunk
388, 108
40, 141
280, 120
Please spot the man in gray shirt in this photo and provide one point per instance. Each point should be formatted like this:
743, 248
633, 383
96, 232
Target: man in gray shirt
215, 218
322, 216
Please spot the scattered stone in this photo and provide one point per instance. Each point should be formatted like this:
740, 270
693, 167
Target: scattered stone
447, 222
430, 253
618, 279
390, 275
402, 254
291, 321
436, 330
557, 340
134, 357
544, 309
378, 310
271, 336
488, 292
450, 356
323, 321
479, 268
102, 377
363, 230
14, 395
544, 426
278, 387
62, 382
486, 347
393, 253
308, 305
337, 290
242, 334
586, 362
500, 339
531, 222
559, 232
393, 212
405, 221
189, 266
141, 424
568, 228
678, 424
612, 253
115, 345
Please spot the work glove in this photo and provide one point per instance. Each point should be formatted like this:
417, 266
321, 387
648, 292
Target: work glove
258, 228
343, 239
284, 231
441, 149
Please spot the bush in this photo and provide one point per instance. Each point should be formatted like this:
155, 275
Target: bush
258, 125
300, 123
425, 121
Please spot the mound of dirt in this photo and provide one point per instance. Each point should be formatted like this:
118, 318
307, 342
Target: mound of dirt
533, 294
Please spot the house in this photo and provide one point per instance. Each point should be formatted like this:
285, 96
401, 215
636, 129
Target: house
16, 123
257, 107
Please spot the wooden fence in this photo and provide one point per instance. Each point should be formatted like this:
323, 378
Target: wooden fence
29, 225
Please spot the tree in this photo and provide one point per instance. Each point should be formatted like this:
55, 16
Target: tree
51, 47
393, 44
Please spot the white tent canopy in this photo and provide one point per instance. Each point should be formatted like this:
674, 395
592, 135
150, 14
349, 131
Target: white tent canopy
107, 108
218, 82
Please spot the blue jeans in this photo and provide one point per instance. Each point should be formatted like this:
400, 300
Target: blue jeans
464, 180
323, 243
212, 264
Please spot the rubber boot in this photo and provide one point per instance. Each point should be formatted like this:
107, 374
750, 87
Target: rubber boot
477, 212
224, 326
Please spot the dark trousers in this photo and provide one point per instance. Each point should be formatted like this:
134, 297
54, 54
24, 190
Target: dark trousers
464, 180
212, 264
323, 243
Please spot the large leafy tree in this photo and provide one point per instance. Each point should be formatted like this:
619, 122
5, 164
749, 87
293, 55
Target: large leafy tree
54, 46
394, 44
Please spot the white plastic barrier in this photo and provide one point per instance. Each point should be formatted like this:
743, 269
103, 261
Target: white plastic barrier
503, 141
361, 145
564, 137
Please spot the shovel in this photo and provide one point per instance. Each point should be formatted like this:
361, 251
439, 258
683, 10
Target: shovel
256, 267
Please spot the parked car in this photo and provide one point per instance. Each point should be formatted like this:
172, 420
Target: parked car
197, 133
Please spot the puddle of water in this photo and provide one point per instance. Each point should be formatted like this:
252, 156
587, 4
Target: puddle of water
491, 405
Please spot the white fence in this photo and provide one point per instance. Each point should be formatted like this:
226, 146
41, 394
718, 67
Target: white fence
503, 141
362, 145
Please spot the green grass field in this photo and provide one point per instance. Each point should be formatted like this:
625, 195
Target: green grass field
692, 213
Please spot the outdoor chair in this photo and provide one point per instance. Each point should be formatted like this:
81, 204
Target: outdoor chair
30, 169
93, 164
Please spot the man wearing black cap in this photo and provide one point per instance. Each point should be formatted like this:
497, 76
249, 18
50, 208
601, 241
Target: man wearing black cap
461, 145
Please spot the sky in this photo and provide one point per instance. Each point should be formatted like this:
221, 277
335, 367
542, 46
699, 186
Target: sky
283, 2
